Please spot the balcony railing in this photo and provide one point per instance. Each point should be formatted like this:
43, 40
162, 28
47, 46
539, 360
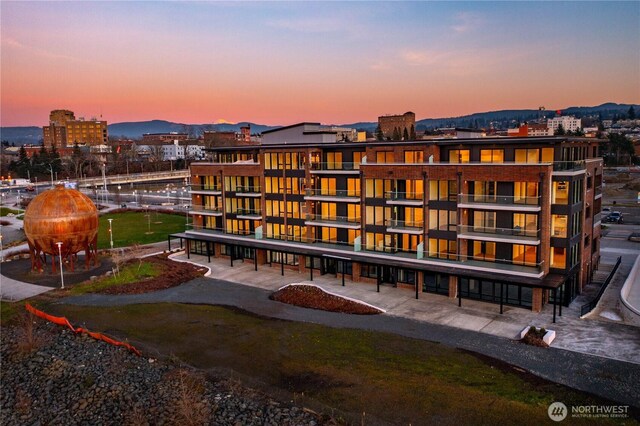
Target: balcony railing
502, 264
446, 258
342, 165
414, 224
332, 193
206, 209
204, 187
498, 199
516, 233
247, 190
328, 219
597, 217
248, 212
565, 166
404, 196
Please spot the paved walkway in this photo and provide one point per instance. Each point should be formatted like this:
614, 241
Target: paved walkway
14, 291
477, 326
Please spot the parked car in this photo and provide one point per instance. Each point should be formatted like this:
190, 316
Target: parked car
614, 217
634, 237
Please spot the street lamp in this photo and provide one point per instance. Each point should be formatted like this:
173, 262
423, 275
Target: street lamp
110, 233
59, 244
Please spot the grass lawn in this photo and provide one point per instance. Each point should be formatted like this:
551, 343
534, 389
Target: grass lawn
341, 372
133, 227
4, 211
128, 274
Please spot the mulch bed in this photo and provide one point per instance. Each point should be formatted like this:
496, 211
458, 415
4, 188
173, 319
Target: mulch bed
534, 338
308, 296
20, 270
172, 274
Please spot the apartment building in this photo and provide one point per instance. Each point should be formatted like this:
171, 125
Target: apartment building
65, 130
568, 122
511, 221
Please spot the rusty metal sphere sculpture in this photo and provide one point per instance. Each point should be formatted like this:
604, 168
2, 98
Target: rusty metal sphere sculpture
61, 215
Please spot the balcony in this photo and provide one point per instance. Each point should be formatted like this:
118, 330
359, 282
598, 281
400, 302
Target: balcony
377, 253
404, 198
253, 214
335, 168
248, 191
568, 168
499, 202
333, 221
597, 218
206, 189
497, 265
206, 210
405, 226
344, 196
510, 235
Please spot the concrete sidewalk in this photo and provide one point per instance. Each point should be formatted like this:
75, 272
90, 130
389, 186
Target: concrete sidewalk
590, 336
14, 291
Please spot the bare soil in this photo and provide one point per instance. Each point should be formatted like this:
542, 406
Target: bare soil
308, 296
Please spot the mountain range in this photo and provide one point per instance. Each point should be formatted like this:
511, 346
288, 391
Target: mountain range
499, 119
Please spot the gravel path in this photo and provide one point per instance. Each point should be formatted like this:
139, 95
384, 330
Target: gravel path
68, 379
608, 378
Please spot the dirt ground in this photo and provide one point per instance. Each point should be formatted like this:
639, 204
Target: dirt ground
622, 187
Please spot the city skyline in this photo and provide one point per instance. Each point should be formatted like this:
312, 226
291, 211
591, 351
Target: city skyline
279, 63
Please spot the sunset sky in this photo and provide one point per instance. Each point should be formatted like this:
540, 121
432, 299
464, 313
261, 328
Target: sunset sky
333, 62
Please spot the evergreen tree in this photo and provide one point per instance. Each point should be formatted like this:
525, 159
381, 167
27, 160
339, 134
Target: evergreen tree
405, 134
379, 134
560, 131
396, 134
631, 114
412, 133
22, 167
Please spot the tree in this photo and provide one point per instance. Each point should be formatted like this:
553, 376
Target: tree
412, 133
22, 167
560, 130
396, 134
631, 114
405, 134
379, 134
579, 132
618, 147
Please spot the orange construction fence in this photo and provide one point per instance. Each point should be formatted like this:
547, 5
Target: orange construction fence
65, 322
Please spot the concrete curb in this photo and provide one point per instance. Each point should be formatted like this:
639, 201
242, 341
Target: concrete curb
382, 311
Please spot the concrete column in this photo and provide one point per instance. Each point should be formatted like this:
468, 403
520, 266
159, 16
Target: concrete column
216, 250
419, 282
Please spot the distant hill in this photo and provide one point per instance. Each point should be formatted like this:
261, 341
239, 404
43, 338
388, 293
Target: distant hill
504, 118
500, 119
137, 129
21, 135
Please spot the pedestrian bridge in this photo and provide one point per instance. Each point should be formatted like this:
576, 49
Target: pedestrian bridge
133, 178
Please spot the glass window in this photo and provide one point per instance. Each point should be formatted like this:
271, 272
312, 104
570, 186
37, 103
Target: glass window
491, 155
525, 255
559, 225
558, 257
484, 250
413, 157
459, 156
525, 192
560, 192
384, 157
525, 224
